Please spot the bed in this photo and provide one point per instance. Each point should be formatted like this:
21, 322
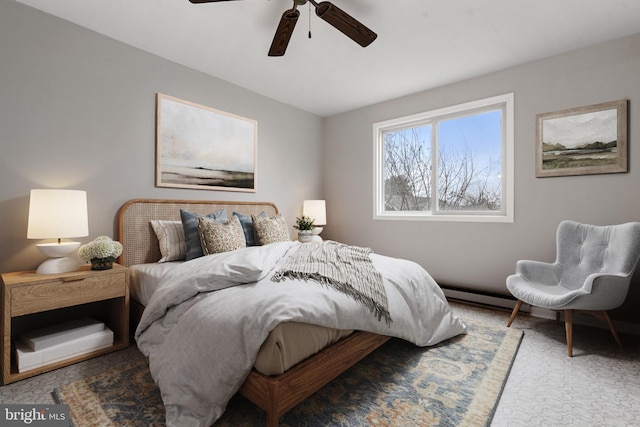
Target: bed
275, 394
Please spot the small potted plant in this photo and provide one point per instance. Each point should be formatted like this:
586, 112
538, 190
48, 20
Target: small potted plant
101, 252
304, 225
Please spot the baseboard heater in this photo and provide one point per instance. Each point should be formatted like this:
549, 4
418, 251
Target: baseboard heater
507, 302
479, 297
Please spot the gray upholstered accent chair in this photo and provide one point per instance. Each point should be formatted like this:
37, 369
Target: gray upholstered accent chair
592, 272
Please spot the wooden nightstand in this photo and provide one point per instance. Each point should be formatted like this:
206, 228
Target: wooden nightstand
32, 301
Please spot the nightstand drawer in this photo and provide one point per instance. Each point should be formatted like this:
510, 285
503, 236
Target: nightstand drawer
62, 292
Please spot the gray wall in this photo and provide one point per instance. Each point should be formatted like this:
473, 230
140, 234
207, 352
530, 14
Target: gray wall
480, 256
77, 110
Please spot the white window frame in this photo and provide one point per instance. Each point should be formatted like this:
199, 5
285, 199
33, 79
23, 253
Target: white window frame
503, 102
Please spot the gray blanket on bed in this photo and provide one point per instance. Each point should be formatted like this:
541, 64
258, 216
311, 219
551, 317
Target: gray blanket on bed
347, 269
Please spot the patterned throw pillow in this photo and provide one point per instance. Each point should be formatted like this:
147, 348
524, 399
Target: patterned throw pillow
270, 230
171, 238
247, 226
191, 234
217, 237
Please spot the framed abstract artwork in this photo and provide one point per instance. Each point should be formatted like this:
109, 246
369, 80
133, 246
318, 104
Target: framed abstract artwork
200, 147
582, 141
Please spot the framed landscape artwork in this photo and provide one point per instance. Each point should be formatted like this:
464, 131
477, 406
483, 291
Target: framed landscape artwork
203, 148
582, 141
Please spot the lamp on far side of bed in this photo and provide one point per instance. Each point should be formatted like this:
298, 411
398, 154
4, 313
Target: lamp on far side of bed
57, 214
316, 210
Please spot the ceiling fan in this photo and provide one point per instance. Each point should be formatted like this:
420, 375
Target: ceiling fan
331, 13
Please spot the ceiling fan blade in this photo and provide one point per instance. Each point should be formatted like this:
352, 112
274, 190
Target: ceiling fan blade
283, 33
345, 23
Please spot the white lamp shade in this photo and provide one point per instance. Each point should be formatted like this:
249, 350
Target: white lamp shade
57, 214
316, 210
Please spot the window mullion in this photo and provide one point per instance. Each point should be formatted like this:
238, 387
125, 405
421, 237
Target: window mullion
435, 167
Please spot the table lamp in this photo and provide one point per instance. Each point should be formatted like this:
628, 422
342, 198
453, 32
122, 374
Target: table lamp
316, 210
57, 214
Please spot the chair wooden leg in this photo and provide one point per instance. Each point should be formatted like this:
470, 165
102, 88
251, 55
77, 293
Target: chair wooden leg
568, 326
606, 318
514, 312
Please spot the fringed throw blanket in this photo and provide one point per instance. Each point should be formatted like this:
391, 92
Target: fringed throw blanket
347, 269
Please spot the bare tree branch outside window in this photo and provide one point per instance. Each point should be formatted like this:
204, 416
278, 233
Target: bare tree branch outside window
468, 166
407, 180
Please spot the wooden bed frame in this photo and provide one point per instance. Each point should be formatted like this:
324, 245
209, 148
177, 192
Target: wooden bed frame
274, 394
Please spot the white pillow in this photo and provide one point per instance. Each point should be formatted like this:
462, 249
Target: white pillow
173, 246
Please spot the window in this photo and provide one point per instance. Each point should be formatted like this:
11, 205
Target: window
451, 164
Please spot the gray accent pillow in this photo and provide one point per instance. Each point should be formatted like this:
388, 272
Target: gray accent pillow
247, 226
191, 234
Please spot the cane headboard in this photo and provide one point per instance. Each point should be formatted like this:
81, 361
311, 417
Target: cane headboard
139, 242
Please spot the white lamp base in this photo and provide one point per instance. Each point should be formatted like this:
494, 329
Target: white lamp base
58, 265
315, 235
59, 261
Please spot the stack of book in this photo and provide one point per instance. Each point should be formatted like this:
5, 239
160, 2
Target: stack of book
63, 341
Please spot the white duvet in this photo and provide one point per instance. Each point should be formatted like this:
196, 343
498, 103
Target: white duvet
202, 344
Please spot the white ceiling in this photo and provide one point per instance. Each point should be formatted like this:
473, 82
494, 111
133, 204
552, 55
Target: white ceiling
421, 44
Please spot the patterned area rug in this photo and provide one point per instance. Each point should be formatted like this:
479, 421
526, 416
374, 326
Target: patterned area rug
456, 383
